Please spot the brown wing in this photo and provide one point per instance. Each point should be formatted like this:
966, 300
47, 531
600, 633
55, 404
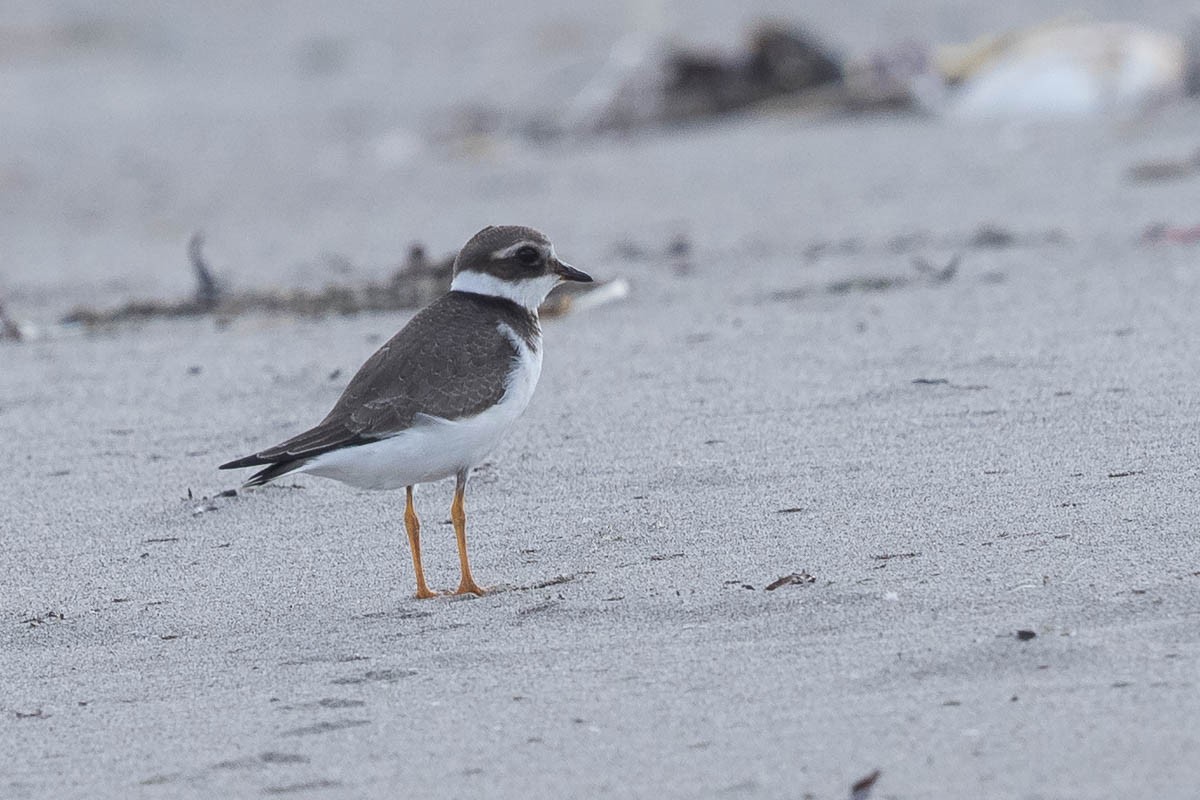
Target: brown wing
449, 361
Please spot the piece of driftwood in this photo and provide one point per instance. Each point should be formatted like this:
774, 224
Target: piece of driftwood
416, 283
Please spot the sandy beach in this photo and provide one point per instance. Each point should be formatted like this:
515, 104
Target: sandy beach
932, 368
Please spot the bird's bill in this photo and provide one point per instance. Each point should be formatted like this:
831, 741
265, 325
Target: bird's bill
569, 273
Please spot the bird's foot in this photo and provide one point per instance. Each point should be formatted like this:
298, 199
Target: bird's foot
468, 586
423, 593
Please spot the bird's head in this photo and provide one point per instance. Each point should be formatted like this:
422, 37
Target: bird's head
512, 262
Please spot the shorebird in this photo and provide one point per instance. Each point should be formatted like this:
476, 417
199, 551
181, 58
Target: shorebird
439, 395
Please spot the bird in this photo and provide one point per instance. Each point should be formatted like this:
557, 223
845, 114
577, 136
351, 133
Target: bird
438, 396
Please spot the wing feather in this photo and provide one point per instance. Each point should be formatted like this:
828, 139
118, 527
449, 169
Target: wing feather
449, 361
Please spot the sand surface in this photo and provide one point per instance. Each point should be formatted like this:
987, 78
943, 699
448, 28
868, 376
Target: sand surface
1011, 449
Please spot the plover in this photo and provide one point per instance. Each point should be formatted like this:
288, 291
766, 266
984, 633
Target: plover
440, 394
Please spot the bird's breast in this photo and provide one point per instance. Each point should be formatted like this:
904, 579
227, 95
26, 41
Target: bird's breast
525, 371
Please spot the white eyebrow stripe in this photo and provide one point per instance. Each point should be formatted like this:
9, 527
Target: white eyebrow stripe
508, 252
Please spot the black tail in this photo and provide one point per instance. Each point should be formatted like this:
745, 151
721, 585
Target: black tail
272, 471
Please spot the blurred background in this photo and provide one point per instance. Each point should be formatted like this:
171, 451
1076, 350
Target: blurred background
316, 142
909, 335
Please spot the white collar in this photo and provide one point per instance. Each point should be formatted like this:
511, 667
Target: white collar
528, 293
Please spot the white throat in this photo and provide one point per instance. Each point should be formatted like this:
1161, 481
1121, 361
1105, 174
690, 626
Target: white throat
528, 293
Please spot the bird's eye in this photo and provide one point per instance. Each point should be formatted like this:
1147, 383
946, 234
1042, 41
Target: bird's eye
528, 255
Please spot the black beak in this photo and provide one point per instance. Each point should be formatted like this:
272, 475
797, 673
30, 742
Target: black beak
569, 273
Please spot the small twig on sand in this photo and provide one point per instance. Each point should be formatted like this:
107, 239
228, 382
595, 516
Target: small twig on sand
937, 274
9, 329
801, 578
208, 290
861, 789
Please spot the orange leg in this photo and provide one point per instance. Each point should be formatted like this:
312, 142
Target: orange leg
458, 515
413, 525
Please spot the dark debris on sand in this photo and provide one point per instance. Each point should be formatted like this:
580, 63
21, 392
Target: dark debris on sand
778, 61
417, 282
9, 329
861, 789
925, 274
801, 578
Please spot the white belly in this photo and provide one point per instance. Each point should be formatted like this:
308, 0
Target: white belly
435, 448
